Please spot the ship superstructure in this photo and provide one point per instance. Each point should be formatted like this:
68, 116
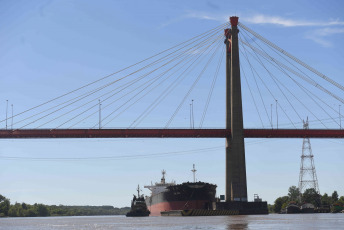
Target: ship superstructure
159, 187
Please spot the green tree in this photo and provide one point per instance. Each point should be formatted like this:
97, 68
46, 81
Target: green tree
279, 203
42, 210
285, 205
16, 210
311, 196
4, 206
12, 211
24, 206
326, 200
341, 199
293, 193
31, 211
334, 196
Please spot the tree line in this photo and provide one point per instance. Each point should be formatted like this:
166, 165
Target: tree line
309, 196
28, 210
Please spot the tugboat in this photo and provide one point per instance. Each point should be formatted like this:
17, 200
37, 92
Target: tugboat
138, 206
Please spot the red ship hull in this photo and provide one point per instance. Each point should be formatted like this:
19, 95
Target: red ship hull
156, 209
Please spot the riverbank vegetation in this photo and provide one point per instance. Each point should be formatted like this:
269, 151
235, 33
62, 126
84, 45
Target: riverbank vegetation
309, 196
27, 210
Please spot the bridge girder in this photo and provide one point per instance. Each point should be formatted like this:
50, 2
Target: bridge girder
169, 133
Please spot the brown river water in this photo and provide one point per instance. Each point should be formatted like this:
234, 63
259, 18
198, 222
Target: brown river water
273, 221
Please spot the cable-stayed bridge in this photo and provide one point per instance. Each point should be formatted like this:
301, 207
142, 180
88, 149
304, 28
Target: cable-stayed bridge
277, 89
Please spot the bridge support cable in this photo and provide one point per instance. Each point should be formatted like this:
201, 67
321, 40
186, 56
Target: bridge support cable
304, 77
166, 91
254, 101
276, 80
307, 92
261, 79
276, 65
159, 84
280, 55
256, 83
310, 81
303, 89
256, 57
223, 53
270, 92
140, 78
300, 86
191, 88
197, 55
220, 27
135, 80
314, 121
91, 92
315, 96
254, 73
323, 76
149, 82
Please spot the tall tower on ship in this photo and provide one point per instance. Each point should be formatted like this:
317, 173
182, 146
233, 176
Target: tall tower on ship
308, 176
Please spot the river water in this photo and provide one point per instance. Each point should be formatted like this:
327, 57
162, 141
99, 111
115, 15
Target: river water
273, 221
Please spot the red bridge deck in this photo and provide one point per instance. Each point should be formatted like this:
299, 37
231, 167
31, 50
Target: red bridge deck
169, 133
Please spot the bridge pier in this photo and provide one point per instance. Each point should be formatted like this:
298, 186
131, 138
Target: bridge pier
236, 184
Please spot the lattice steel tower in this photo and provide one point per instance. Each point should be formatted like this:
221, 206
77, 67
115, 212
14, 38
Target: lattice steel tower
308, 175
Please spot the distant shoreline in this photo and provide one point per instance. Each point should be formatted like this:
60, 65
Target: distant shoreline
41, 210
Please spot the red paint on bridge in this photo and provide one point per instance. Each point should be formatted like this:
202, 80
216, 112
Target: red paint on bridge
169, 133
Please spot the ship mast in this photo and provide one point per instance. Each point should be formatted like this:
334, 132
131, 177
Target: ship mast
163, 176
194, 173
138, 191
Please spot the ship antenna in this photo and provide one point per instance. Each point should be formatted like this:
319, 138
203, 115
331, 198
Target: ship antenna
138, 191
194, 173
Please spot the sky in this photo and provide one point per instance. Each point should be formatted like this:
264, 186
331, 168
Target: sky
48, 48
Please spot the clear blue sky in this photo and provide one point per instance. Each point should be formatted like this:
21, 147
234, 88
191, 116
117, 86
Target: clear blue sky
48, 48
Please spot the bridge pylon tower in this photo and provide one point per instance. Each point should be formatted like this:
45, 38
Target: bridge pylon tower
236, 184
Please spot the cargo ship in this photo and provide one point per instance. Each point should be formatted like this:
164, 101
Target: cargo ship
186, 196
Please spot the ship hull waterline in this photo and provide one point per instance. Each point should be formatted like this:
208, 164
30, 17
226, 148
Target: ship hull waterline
156, 209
